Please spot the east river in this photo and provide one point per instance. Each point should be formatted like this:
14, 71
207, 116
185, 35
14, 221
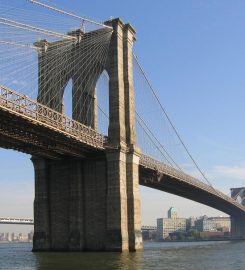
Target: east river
170, 256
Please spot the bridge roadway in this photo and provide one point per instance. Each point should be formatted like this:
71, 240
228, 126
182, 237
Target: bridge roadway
30, 127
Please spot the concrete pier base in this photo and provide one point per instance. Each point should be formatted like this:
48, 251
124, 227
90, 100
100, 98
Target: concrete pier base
70, 204
81, 205
238, 227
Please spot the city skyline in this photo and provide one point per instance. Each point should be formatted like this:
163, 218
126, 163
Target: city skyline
200, 81
21, 228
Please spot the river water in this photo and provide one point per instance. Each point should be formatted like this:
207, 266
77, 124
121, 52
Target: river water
170, 256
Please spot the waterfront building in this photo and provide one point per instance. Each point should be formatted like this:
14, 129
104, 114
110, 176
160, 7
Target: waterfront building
30, 236
1, 237
172, 212
13, 237
208, 224
7, 237
165, 226
190, 223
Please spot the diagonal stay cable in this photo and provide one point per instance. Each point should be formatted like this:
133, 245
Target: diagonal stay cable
170, 122
151, 133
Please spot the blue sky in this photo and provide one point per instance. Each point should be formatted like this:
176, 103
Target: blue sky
194, 55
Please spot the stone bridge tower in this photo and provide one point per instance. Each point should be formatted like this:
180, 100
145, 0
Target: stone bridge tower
91, 202
238, 222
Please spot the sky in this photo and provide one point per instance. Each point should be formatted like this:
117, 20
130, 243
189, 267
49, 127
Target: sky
194, 54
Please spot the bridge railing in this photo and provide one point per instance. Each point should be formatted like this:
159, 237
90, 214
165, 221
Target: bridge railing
27, 107
151, 163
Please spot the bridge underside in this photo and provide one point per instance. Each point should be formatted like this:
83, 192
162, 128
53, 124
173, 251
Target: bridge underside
164, 182
22, 133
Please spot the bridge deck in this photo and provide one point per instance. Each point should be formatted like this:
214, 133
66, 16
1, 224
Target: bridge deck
30, 127
163, 177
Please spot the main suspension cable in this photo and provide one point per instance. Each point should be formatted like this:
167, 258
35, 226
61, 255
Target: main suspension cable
68, 13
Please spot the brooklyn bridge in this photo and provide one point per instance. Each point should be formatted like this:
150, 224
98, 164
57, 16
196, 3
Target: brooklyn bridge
87, 177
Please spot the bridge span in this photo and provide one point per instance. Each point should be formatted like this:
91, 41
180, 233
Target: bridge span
21, 117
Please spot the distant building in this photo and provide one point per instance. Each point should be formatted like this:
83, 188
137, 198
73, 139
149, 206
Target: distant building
30, 236
190, 223
7, 237
149, 234
165, 226
209, 224
22, 237
172, 212
13, 237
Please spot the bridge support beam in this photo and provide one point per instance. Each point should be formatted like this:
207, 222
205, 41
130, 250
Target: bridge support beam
133, 197
238, 227
122, 152
134, 214
41, 239
117, 212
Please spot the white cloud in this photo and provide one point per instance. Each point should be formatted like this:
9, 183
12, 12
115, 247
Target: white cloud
219, 173
234, 172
